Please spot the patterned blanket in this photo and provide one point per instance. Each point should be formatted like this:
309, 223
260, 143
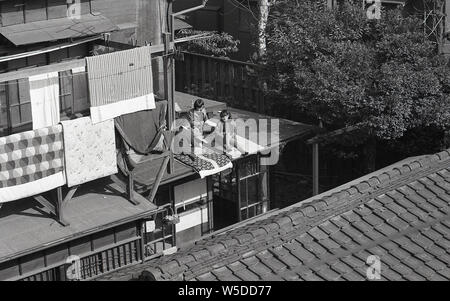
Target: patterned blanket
31, 163
206, 164
90, 150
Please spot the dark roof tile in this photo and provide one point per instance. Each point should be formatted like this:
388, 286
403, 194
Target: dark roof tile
341, 238
305, 238
414, 165
317, 233
330, 245
351, 216
207, 277
425, 271
340, 222
246, 275
319, 205
261, 270
385, 229
310, 276
432, 234
410, 218
391, 275
412, 262
374, 181
389, 260
437, 277
363, 187
243, 238
285, 223
297, 217
425, 257
443, 155
341, 267
309, 211
329, 227
273, 263
374, 235
414, 277
353, 276
442, 229
402, 269
436, 250
394, 173
385, 214
363, 226
421, 240
353, 261
384, 177
436, 264
331, 200
445, 273
362, 210
384, 199
399, 224
328, 274
395, 207
285, 256
302, 254
373, 220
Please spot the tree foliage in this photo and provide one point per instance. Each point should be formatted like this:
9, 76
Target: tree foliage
381, 75
217, 44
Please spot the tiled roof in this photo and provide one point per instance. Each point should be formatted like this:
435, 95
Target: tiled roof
401, 214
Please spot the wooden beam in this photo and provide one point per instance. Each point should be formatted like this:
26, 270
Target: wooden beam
59, 208
44, 202
47, 49
71, 193
315, 160
159, 177
121, 187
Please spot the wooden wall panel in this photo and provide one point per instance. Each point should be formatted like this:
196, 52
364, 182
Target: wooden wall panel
11, 13
35, 11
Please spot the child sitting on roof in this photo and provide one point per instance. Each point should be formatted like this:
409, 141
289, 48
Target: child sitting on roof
226, 130
197, 117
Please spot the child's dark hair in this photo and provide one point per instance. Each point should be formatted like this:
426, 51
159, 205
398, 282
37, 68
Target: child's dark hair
225, 113
199, 103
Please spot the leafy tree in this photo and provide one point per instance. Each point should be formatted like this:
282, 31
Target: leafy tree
381, 76
216, 44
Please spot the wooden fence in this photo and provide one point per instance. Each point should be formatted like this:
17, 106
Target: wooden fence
229, 81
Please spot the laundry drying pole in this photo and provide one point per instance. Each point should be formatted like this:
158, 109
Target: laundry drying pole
169, 84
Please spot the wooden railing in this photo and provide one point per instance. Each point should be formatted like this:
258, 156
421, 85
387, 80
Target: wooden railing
229, 81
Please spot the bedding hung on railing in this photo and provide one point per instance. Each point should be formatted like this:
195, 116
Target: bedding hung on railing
142, 130
206, 164
90, 150
44, 96
120, 83
31, 163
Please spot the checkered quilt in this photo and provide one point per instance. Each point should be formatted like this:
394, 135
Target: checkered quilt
206, 164
31, 156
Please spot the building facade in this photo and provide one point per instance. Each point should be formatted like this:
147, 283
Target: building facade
127, 217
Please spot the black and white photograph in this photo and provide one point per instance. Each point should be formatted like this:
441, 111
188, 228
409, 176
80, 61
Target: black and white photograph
224, 147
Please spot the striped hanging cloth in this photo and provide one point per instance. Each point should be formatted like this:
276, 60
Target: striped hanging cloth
120, 83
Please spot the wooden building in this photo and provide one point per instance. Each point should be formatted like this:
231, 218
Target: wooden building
106, 224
